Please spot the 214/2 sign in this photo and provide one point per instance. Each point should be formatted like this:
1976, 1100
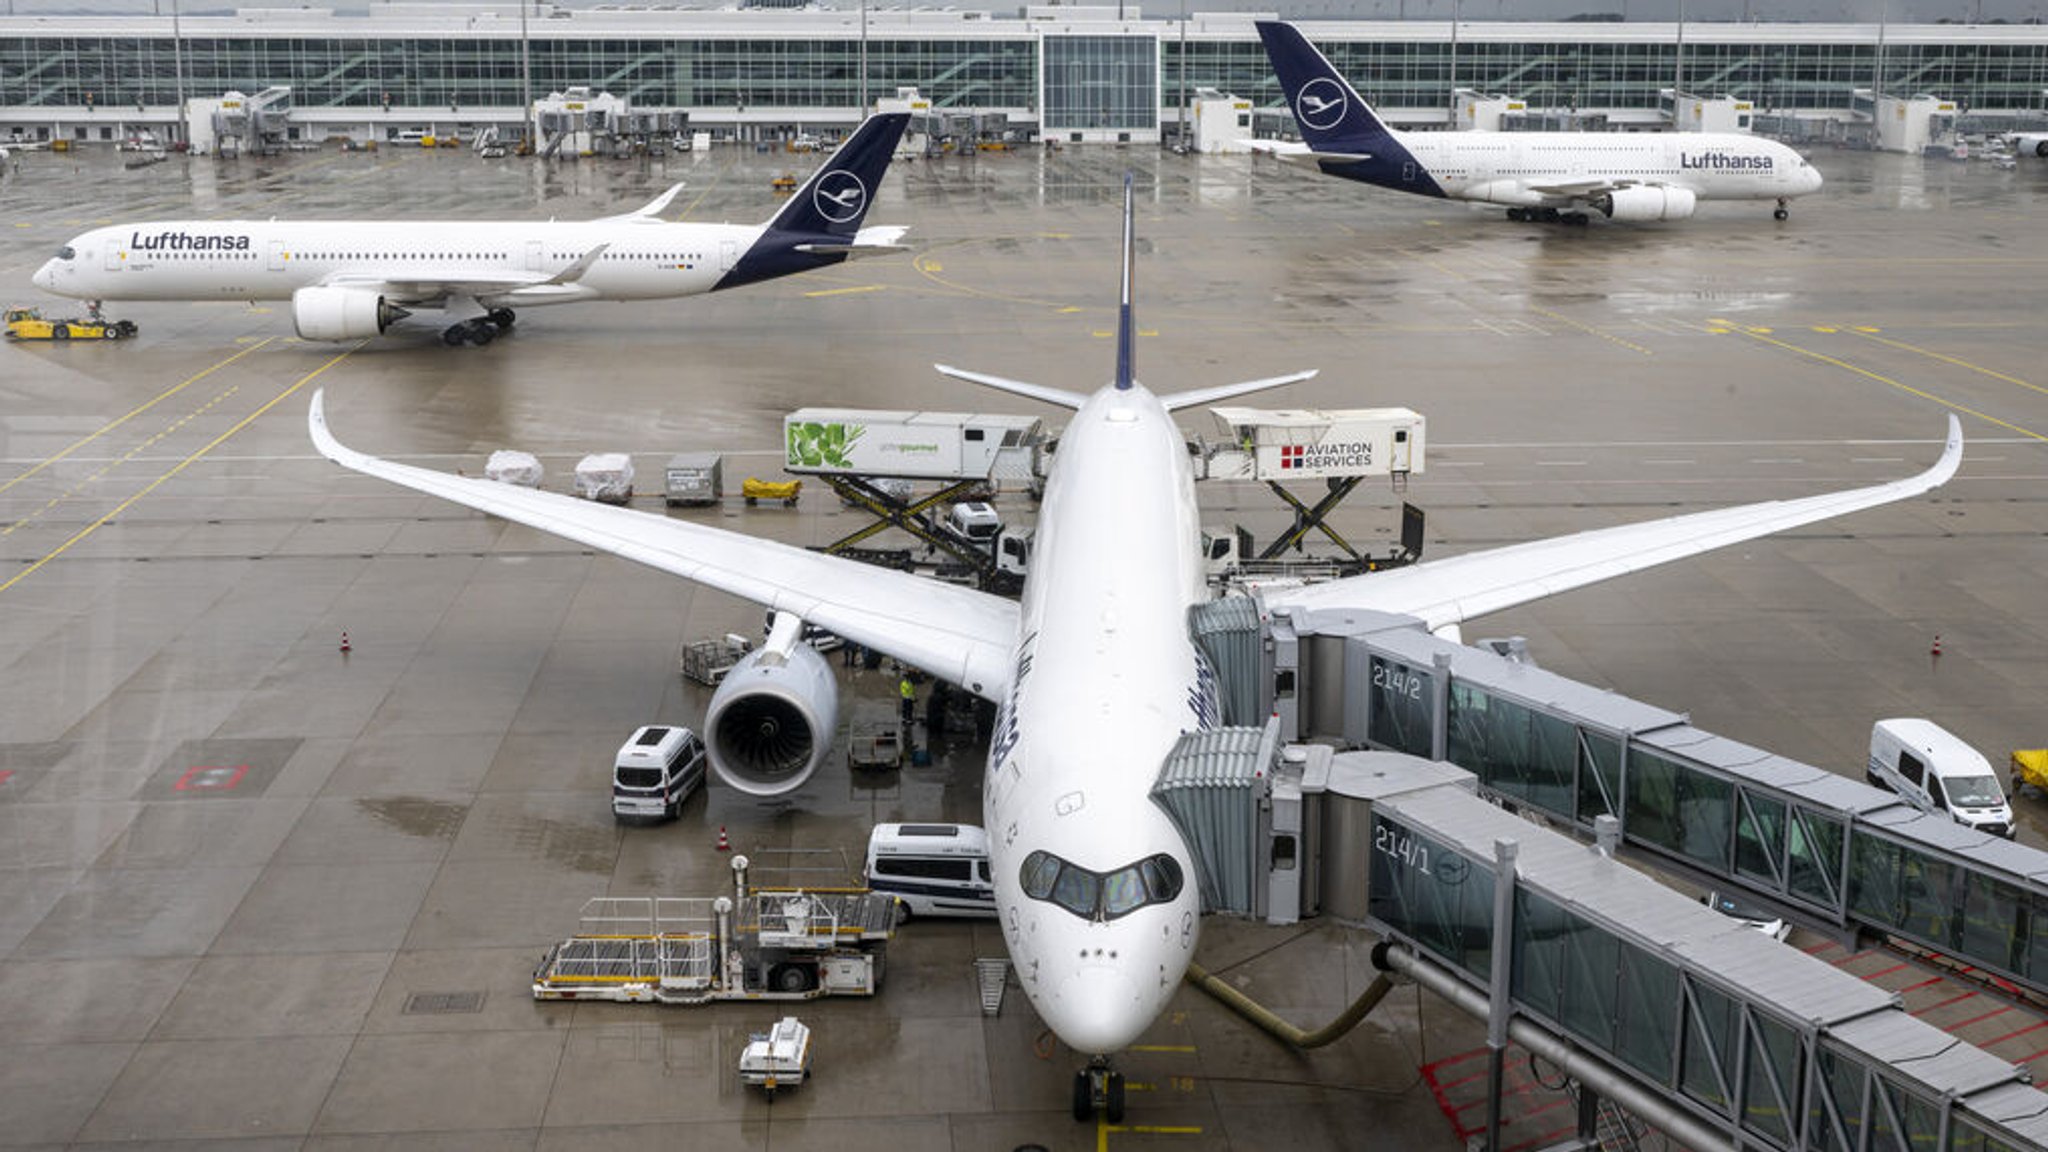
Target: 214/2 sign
1398, 681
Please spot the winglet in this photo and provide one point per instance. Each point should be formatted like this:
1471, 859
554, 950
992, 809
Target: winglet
1126, 352
580, 268
653, 208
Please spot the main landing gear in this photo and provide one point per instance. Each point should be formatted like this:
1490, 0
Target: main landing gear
1547, 216
480, 331
1783, 212
1098, 1086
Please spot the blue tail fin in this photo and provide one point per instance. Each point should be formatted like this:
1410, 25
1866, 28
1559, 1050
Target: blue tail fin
1126, 335
836, 197
818, 225
1336, 122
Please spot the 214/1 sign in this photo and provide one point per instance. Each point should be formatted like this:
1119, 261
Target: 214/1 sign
1401, 846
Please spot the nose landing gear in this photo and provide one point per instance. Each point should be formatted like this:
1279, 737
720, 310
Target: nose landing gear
1782, 212
1099, 1086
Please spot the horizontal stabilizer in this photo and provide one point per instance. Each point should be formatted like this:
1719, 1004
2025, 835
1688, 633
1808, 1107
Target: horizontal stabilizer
1059, 396
1189, 399
850, 251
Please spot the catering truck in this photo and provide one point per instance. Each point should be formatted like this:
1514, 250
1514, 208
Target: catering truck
912, 445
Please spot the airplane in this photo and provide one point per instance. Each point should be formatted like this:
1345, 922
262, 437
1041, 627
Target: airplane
1093, 670
1540, 176
2027, 143
351, 279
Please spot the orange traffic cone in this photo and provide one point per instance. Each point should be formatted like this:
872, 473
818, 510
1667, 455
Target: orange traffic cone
724, 845
344, 643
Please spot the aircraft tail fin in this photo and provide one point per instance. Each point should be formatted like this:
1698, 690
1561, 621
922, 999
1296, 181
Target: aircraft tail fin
1333, 117
836, 197
1126, 334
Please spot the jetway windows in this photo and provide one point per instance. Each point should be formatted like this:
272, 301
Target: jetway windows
1834, 1112
1599, 776
1773, 1070
1432, 895
2037, 946
1649, 992
1403, 706
1680, 809
1911, 892
1993, 926
1709, 1026
1759, 830
1540, 931
1513, 749
1813, 852
1902, 1121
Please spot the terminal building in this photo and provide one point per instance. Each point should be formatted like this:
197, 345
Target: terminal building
1056, 72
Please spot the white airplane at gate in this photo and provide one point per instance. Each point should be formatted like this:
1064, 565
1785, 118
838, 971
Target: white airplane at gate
1536, 175
351, 279
1095, 673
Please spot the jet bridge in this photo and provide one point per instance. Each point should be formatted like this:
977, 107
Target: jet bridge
1823, 848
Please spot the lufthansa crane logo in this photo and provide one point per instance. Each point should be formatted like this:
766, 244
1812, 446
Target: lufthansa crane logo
1320, 103
840, 196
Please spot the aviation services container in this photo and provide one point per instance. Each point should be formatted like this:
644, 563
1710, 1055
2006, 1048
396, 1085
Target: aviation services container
911, 445
1310, 444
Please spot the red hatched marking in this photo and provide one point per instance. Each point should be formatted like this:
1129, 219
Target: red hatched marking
2001, 1010
2032, 1058
6, 774
1944, 1003
1931, 980
211, 778
2034, 1027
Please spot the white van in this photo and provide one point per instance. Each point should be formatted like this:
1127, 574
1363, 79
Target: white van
933, 869
655, 771
1934, 771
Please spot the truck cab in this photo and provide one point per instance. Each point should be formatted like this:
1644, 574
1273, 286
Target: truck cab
1935, 771
975, 521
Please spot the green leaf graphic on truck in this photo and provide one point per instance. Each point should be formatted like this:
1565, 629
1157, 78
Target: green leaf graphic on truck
813, 445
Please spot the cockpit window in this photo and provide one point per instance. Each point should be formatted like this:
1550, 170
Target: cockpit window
1094, 896
67, 252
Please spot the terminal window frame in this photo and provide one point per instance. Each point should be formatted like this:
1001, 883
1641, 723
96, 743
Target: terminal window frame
1091, 895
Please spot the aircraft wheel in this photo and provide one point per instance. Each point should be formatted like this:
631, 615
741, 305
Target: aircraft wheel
1113, 1106
2041, 149
61, 332
453, 337
1781, 214
1084, 1098
502, 317
1517, 215
482, 332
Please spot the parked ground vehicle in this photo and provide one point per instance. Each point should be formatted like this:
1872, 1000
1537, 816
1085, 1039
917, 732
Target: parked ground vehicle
786, 491
655, 771
974, 521
777, 1058
932, 869
28, 324
1934, 771
1749, 915
694, 478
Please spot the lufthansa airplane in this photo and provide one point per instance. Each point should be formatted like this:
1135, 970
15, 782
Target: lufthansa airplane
350, 279
1547, 176
1094, 672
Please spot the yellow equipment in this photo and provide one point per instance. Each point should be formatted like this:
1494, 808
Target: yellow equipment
28, 324
2030, 766
783, 490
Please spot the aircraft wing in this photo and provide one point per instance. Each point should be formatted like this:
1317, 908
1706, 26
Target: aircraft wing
429, 285
967, 637
1584, 189
1445, 592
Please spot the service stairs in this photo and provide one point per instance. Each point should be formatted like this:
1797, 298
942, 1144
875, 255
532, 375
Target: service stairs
994, 976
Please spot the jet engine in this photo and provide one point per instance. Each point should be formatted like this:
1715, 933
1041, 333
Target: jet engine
342, 313
771, 720
1647, 202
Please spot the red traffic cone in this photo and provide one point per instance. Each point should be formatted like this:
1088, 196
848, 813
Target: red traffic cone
344, 643
1936, 650
724, 845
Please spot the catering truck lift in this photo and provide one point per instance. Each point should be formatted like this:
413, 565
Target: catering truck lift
758, 944
1340, 448
867, 455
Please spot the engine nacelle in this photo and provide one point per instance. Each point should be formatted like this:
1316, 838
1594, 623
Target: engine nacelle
342, 313
771, 721
1647, 202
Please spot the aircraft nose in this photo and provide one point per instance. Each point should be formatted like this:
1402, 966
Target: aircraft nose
46, 276
1813, 180
1097, 1010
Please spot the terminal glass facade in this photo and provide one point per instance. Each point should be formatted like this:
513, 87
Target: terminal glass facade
1111, 81
1101, 84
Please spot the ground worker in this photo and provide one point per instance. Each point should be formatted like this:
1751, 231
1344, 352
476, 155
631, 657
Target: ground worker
908, 691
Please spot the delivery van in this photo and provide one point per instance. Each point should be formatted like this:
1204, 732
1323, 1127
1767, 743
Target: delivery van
1934, 771
932, 869
655, 771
